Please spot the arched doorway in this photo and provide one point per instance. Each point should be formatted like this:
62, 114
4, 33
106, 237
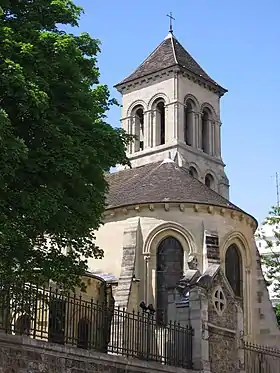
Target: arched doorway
170, 259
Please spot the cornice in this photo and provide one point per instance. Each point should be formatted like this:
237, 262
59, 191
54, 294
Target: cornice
168, 207
150, 78
171, 71
218, 90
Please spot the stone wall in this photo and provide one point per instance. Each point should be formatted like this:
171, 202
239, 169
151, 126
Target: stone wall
25, 355
222, 351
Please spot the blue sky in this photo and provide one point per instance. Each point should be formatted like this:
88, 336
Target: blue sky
237, 43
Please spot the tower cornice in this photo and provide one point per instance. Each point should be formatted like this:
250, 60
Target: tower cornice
168, 73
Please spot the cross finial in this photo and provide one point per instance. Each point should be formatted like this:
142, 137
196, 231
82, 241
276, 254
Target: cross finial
171, 18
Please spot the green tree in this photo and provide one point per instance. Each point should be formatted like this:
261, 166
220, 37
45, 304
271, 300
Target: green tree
271, 258
277, 311
55, 144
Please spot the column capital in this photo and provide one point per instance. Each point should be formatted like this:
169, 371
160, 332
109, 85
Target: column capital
147, 257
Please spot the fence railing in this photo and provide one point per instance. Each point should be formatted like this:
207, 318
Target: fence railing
259, 359
240, 354
49, 315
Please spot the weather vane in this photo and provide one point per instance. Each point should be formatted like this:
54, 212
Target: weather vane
171, 18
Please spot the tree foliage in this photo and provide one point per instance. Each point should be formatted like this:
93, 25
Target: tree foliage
277, 311
271, 258
55, 144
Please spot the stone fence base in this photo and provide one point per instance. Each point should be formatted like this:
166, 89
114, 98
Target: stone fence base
19, 354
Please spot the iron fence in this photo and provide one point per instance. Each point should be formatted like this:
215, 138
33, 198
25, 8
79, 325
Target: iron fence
239, 354
259, 359
57, 317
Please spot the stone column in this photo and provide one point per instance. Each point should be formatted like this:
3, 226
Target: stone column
176, 131
138, 134
209, 137
153, 127
196, 130
147, 278
218, 138
198, 305
212, 138
193, 129
130, 146
133, 132
240, 339
156, 127
168, 132
199, 131
146, 130
215, 145
180, 120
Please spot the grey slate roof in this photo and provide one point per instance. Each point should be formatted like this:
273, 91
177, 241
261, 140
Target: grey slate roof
160, 182
169, 53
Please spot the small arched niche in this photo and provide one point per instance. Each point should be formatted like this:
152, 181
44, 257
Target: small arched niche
209, 181
233, 269
83, 333
159, 107
193, 172
138, 114
23, 325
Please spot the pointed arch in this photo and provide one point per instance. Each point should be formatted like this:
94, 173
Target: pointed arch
233, 269
238, 238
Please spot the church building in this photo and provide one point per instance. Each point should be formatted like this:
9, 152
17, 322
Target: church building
170, 213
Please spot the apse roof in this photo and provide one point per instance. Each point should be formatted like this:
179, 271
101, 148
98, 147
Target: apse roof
160, 182
168, 54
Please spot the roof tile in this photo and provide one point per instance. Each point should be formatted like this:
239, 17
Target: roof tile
168, 54
160, 182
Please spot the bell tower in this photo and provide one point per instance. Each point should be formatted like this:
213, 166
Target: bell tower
172, 106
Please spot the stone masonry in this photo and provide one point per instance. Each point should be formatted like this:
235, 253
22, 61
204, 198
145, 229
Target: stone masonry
26, 355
